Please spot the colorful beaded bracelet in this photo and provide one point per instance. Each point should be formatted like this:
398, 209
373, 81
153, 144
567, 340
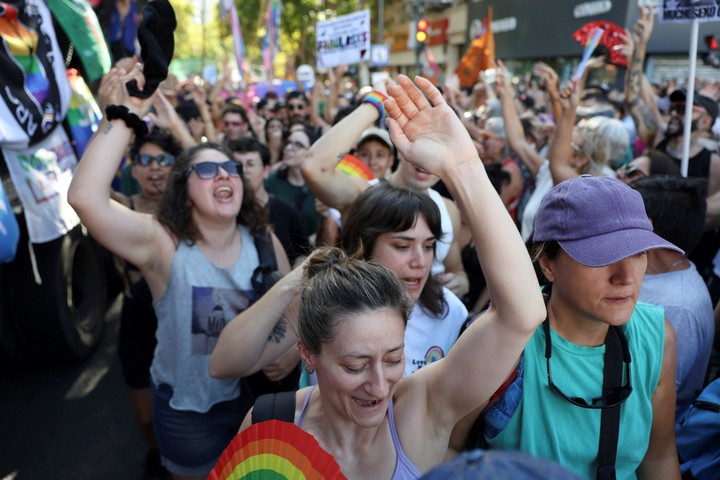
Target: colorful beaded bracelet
377, 100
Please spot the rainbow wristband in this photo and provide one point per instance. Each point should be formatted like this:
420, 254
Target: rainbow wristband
377, 100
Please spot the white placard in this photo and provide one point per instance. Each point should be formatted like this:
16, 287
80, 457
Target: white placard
343, 40
306, 75
685, 11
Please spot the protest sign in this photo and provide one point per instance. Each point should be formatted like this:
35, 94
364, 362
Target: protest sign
685, 11
343, 40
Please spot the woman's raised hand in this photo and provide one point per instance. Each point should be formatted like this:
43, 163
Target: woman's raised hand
426, 131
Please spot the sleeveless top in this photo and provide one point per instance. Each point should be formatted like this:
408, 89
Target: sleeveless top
404, 469
442, 247
542, 423
199, 301
698, 166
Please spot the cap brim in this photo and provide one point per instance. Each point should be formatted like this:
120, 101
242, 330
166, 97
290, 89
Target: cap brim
606, 249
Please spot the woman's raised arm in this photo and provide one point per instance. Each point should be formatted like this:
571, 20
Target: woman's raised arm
126, 233
430, 136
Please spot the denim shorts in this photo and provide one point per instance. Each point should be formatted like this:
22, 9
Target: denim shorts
190, 443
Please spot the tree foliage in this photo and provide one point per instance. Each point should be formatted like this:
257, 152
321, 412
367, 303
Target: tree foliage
297, 30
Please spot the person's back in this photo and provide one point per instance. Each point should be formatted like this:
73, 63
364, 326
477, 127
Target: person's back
677, 207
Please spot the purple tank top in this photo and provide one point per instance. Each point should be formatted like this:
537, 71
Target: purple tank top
404, 469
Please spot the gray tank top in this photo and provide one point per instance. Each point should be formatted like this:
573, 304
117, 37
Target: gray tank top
199, 301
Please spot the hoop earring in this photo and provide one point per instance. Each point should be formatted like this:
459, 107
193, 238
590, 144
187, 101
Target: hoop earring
309, 370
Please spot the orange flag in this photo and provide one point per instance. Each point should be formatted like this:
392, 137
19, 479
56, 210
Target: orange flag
479, 56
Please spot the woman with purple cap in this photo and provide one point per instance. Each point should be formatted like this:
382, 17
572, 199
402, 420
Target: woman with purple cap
595, 390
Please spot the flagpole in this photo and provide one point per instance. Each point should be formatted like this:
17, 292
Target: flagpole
689, 98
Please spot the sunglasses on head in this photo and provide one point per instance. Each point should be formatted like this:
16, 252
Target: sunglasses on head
209, 170
163, 160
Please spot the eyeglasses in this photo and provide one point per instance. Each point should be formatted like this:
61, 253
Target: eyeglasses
296, 106
614, 397
230, 123
295, 144
209, 170
163, 160
630, 171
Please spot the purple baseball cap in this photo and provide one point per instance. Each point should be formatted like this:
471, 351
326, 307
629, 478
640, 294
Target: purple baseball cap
597, 221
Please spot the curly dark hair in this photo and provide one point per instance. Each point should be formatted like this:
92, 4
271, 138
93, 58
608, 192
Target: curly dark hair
174, 212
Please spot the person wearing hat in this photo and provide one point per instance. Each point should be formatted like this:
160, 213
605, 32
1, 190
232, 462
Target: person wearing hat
591, 239
338, 190
702, 162
376, 151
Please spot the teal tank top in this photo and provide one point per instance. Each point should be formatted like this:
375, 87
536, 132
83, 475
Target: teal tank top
546, 425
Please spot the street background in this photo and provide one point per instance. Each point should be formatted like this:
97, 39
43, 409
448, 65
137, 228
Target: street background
70, 421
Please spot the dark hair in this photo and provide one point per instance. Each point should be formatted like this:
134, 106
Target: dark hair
676, 206
387, 208
234, 108
160, 137
174, 211
549, 249
245, 145
498, 176
187, 110
339, 286
293, 94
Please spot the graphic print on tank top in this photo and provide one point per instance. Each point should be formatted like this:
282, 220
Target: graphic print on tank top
212, 309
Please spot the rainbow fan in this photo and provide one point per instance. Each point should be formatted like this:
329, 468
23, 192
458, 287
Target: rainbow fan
351, 165
275, 450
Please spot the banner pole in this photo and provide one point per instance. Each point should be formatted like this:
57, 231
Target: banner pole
690, 95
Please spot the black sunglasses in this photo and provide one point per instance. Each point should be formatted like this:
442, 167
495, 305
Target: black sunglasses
209, 170
614, 397
163, 160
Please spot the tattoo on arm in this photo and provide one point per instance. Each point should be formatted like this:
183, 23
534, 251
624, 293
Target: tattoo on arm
341, 155
107, 129
278, 332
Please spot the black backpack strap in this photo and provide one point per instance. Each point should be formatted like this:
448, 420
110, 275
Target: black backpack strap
264, 247
610, 417
274, 406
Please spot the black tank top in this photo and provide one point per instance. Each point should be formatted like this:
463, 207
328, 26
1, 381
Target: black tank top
698, 166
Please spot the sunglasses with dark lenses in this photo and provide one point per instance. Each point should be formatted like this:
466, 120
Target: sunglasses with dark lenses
164, 160
209, 170
296, 106
614, 397
231, 123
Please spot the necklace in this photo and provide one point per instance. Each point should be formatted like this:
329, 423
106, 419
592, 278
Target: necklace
675, 264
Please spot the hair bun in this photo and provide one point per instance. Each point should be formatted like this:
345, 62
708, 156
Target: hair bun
324, 259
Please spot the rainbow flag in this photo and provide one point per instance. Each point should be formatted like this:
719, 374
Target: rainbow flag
228, 8
83, 114
351, 165
23, 45
273, 14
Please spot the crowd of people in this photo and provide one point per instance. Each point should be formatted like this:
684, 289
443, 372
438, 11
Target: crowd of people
520, 266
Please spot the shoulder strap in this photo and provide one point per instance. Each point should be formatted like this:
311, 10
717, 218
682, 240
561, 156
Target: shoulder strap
274, 406
264, 247
610, 417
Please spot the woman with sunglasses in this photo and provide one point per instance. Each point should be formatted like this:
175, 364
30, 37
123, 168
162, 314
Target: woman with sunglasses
600, 352
197, 256
151, 160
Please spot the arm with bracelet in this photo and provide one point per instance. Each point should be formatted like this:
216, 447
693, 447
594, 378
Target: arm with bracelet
331, 186
127, 233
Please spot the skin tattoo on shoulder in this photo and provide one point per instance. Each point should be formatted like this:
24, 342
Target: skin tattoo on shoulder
278, 332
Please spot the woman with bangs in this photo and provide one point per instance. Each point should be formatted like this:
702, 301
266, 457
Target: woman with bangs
398, 228
197, 257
